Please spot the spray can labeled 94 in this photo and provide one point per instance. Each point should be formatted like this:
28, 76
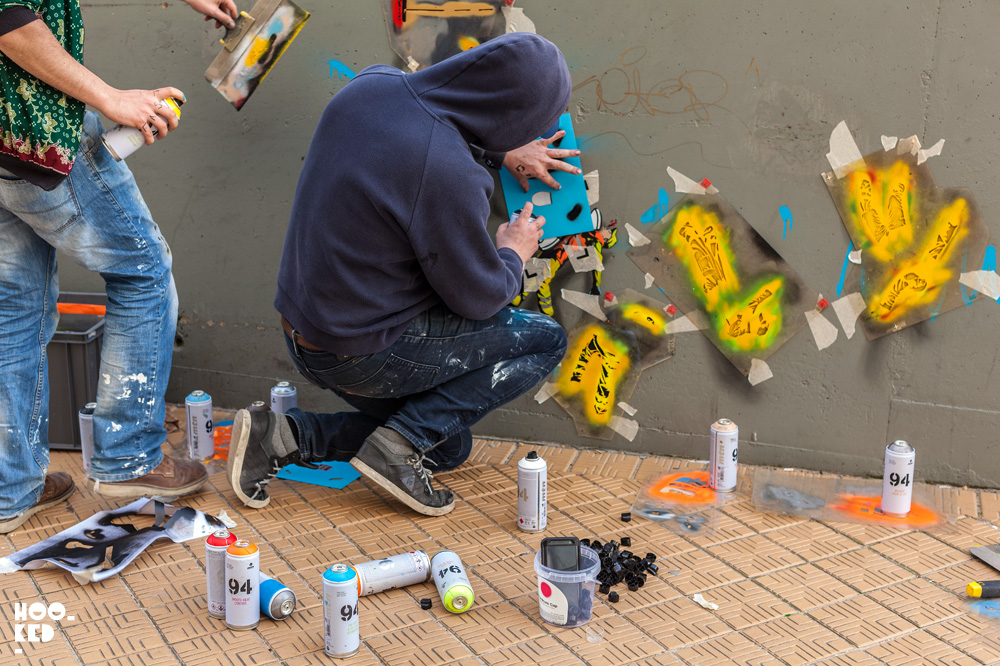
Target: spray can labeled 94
215, 570
897, 479
284, 396
86, 421
341, 626
200, 429
452, 582
722, 456
242, 586
392, 572
532, 493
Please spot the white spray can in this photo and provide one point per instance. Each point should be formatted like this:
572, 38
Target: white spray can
723, 456
532, 493
897, 479
341, 626
242, 586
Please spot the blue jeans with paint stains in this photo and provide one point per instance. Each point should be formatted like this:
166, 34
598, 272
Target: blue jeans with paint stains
440, 377
97, 218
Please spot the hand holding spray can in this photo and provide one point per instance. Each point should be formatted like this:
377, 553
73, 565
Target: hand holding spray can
532, 493
722, 456
897, 479
242, 586
452, 582
341, 626
122, 140
215, 570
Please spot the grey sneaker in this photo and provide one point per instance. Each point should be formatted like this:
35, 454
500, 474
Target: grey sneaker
262, 443
403, 475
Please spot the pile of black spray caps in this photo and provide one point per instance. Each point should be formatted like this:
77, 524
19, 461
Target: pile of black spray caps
620, 565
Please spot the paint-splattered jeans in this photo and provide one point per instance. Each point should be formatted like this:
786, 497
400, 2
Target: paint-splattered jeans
440, 377
97, 218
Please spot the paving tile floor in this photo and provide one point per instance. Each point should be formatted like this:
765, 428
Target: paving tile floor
790, 591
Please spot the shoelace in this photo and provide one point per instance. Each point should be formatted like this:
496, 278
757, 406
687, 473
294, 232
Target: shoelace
417, 463
259, 486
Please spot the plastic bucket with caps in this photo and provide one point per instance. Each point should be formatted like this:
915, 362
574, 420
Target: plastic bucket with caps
566, 598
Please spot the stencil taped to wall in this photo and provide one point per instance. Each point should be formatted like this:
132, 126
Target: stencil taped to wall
710, 260
603, 361
569, 210
104, 544
683, 502
426, 32
838, 499
253, 47
916, 239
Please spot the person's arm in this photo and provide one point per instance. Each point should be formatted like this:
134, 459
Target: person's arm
35, 49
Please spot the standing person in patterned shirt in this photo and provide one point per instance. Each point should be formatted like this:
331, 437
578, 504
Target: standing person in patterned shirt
61, 190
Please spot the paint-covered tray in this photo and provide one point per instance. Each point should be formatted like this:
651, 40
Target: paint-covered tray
716, 268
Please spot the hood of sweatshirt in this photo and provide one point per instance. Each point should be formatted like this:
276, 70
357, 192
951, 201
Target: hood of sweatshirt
500, 95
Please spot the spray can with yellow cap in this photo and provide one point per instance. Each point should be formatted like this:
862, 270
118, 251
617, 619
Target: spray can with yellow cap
122, 140
242, 585
452, 582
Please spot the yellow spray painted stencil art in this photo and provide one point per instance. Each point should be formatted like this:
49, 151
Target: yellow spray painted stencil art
711, 261
916, 240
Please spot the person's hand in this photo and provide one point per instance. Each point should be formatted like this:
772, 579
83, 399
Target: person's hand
521, 235
142, 109
536, 159
223, 11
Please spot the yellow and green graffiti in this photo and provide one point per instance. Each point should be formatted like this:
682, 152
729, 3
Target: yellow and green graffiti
881, 205
594, 368
744, 320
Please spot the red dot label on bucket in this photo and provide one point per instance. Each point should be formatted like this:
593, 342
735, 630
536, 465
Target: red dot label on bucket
546, 589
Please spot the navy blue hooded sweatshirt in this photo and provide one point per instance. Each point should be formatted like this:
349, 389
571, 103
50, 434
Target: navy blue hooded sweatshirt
390, 211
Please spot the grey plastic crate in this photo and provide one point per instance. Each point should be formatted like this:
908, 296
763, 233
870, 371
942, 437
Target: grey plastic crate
74, 364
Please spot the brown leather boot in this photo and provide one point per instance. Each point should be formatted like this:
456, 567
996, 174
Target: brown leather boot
58, 487
171, 478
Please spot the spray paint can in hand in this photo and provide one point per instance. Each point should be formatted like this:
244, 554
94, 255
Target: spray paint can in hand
452, 582
391, 572
283, 397
215, 570
200, 428
341, 626
122, 140
242, 586
722, 456
532, 493
277, 601
897, 479
86, 422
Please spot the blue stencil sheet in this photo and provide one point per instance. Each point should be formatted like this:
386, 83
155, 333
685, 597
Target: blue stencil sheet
330, 474
572, 194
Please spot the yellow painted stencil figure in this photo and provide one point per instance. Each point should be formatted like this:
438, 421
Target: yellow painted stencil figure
880, 204
594, 367
916, 282
649, 319
743, 320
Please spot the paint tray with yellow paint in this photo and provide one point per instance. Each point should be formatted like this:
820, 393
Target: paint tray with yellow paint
425, 32
718, 270
916, 239
251, 49
843, 499
682, 501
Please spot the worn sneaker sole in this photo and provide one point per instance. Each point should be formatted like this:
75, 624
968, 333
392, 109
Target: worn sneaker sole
359, 465
11, 524
124, 489
237, 452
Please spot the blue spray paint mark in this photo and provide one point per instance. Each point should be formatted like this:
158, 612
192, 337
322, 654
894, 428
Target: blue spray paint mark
989, 264
843, 271
341, 69
786, 217
654, 213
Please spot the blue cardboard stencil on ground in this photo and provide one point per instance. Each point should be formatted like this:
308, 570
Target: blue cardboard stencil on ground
330, 474
570, 201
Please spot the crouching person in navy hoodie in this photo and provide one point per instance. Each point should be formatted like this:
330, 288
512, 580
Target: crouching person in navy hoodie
393, 294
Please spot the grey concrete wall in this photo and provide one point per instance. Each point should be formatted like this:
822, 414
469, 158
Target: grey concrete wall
773, 78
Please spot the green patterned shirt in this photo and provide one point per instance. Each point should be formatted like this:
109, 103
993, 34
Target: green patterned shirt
39, 124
